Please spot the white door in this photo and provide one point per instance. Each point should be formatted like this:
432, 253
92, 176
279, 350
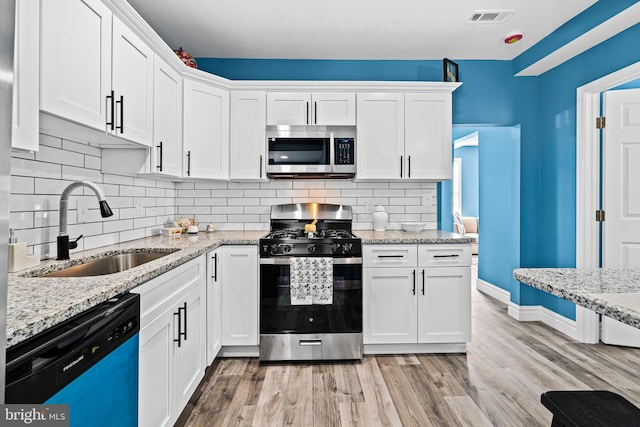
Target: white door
390, 302
132, 83
444, 305
334, 108
247, 135
214, 304
380, 150
621, 197
75, 60
240, 295
427, 135
288, 108
206, 131
621, 176
166, 154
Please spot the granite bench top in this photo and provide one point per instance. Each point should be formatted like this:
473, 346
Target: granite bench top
609, 291
37, 303
403, 237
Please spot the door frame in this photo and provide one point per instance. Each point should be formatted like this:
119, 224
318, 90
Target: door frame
588, 163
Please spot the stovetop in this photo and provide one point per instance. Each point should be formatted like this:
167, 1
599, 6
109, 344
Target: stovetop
296, 242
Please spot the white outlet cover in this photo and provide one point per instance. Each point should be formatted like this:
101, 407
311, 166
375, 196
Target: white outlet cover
427, 200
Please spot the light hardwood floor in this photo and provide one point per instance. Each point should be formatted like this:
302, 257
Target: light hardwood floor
497, 383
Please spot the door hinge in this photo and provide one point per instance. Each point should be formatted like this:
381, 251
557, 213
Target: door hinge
600, 216
601, 122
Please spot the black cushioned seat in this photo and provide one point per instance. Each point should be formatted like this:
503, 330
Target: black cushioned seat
590, 408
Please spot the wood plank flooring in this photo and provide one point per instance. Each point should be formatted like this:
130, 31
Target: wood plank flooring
497, 383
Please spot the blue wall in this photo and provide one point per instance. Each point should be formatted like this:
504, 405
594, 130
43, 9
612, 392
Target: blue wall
499, 174
470, 186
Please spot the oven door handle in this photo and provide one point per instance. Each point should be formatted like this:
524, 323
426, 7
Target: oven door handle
287, 261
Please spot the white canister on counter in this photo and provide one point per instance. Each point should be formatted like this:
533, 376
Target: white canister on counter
380, 218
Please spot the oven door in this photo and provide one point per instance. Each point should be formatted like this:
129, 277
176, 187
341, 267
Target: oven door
278, 316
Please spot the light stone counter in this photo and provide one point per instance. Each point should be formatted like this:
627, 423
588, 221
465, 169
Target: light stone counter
612, 292
37, 303
403, 237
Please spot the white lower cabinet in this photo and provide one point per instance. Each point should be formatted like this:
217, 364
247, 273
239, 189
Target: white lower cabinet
172, 342
417, 294
238, 269
214, 304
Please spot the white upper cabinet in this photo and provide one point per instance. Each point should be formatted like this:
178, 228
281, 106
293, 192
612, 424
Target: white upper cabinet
26, 84
132, 85
404, 136
86, 53
427, 136
318, 108
166, 153
380, 137
205, 131
247, 135
75, 68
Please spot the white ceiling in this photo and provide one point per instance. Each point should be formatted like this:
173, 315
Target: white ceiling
352, 29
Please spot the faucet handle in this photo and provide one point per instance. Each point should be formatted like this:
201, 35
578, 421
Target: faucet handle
74, 244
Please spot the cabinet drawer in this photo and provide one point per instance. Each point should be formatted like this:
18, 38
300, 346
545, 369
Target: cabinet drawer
390, 255
444, 255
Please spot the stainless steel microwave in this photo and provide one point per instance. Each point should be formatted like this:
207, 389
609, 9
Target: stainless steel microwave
311, 151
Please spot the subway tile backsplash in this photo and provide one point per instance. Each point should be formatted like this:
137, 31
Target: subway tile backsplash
142, 205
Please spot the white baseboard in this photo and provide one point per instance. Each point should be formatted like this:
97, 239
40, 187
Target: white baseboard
414, 348
529, 313
493, 291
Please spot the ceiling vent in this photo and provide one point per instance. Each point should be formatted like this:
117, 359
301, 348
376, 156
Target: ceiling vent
490, 16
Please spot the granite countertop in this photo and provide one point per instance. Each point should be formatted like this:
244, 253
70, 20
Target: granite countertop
609, 291
37, 303
403, 237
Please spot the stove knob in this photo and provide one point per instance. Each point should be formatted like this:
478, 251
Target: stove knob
311, 247
334, 247
286, 248
273, 249
346, 247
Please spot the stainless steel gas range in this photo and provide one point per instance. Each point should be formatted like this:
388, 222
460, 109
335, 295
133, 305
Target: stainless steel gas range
310, 284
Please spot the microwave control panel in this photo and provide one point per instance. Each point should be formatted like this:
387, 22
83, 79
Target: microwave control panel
345, 151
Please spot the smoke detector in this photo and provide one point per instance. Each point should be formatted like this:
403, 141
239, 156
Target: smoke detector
490, 16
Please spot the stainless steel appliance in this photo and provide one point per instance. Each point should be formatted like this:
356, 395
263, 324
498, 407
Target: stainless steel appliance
7, 35
310, 331
311, 151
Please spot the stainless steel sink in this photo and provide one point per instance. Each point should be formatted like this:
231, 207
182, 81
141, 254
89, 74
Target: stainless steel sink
108, 265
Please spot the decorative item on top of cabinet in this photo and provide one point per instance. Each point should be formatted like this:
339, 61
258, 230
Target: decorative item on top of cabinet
413, 128
186, 57
205, 131
247, 135
317, 108
110, 89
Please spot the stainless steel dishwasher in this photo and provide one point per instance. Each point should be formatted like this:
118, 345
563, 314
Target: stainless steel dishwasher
89, 362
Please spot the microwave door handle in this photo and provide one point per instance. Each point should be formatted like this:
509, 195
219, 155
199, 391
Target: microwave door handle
332, 153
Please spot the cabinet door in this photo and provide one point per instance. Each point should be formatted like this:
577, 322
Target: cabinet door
190, 352
214, 304
334, 108
75, 55
389, 306
26, 83
240, 295
427, 137
206, 131
156, 389
247, 135
132, 83
289, 108
444, 305
166, 155
380, 148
